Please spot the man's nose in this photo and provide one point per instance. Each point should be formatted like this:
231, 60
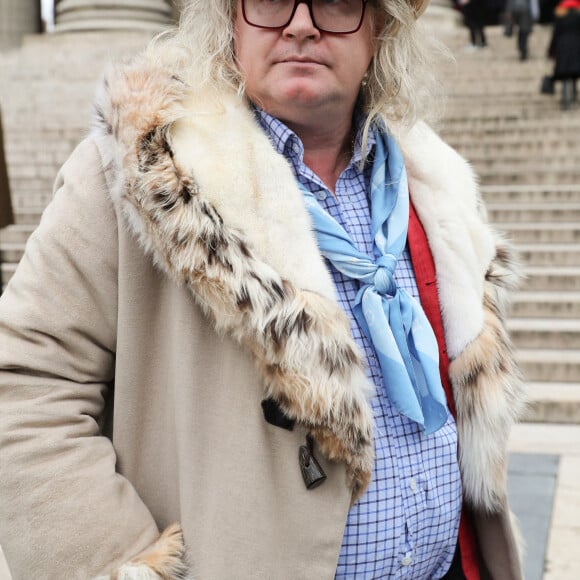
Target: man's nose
301, 25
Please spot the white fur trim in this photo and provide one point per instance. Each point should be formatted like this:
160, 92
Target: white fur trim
227, 152
444, 190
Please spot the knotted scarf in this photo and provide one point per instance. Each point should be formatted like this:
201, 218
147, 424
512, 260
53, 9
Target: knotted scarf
392, 319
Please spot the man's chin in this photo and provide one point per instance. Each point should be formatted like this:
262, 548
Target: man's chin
304, 96
296, 102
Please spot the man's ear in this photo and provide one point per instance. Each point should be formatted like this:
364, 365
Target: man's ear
380, 20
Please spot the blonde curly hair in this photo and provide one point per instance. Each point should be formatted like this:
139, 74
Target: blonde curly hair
400, 85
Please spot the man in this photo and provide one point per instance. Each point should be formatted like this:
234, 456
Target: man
474, 14
236, 268
564, 49
6, 217
522, 14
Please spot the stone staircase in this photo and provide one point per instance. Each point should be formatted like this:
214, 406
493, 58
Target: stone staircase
527, 154
524, 148
46, 93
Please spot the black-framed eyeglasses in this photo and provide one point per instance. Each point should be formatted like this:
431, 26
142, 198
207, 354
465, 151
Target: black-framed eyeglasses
334, 16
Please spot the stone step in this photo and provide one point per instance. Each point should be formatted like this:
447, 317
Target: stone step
528, 142
563, 160
547, 304
481, 126
538, 137
467, 86
517, 100
7, 270
490, 155
505, 60
562, 440
563, 232
492, 96
549, 365
28, 216
531, 193
477, 73
550, 254
523, 89
534, 212
494, 111
533, 175
509, 106
499, 139
538, 150
16, 234
553, 402
10, 252
454, 131
495, 107
536, 142
492, 122
37, 197
499, 126
491, 83
545, 333
552, 278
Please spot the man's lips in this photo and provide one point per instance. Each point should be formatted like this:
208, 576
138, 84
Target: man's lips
308, 60
300, 60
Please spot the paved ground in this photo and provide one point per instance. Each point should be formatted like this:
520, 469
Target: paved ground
545, 496
532, 486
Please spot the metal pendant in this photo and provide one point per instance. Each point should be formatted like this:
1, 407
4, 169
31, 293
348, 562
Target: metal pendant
312, 473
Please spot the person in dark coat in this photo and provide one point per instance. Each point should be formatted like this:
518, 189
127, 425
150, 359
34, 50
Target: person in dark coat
474, 15
6, 217
565, 48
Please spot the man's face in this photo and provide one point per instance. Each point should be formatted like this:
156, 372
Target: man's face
298, 71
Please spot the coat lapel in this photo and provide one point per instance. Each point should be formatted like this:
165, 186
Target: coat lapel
215, 209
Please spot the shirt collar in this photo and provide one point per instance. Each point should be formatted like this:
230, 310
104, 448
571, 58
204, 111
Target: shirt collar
288, 144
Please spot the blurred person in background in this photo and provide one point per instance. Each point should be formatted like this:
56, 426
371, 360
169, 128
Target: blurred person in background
474, 17
260, 330
521, 14
6, 217
564, 49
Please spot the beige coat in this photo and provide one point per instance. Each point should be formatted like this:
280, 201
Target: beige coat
176, 263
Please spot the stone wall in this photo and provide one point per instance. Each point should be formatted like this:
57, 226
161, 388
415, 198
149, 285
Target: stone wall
83, 15
17, 18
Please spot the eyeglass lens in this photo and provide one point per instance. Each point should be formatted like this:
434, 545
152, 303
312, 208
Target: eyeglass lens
338, 16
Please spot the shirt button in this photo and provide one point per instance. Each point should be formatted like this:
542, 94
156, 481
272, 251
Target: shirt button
296, 148
321, 195
406, 561
413, 484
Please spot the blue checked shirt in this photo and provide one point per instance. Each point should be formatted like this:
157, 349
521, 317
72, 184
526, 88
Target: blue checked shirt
406, 524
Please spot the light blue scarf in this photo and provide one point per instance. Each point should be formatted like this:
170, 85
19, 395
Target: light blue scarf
392, 319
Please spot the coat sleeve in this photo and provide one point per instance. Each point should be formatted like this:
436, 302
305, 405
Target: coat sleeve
64, 511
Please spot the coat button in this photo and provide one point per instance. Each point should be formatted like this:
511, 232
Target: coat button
312, 474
